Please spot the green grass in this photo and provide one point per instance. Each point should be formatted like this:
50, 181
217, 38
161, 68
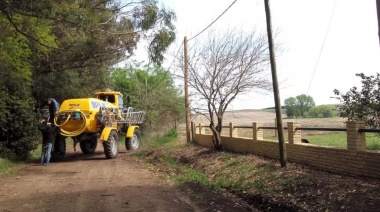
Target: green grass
189, 174
338, 139
168, 138
6, 166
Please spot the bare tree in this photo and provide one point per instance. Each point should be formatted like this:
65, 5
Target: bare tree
225, 66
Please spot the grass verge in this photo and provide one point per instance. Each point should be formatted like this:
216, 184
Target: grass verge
338, 139
259, 181
219, 170
6, 166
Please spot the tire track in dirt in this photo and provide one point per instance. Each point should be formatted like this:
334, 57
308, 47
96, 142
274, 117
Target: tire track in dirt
93, 183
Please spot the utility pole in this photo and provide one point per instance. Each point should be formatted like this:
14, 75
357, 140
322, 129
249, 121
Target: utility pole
276, 92
378, 16
187, 107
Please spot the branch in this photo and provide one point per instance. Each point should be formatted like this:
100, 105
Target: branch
25, 34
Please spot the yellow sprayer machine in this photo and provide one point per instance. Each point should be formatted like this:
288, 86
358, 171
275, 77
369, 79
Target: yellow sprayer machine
91, 120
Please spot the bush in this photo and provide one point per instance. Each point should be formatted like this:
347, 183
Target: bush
322, 111
172, 133
362, 104
17, 121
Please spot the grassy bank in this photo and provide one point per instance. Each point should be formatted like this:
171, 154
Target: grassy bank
257, 180
6, 166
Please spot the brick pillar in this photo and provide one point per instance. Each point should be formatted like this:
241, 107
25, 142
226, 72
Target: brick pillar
201, 129
294, 136
355, 139
258, 134
233, 131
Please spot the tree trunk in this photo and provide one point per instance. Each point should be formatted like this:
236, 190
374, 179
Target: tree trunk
216, 138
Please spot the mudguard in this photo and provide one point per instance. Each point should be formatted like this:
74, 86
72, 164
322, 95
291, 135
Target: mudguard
106, 133
130, 131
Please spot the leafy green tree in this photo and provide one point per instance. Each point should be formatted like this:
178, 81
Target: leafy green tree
299, 105
364, 104
322, 111
17, 120
150, 88
17, 123
65, 49
95, 35
291, 107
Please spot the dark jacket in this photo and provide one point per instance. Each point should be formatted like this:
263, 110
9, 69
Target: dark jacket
53, 107
47, 132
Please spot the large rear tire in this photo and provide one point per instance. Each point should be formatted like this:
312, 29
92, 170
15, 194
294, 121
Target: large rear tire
59, 148
89, 146
111, 146
134, 142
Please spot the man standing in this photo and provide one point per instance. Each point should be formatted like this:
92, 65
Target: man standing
47, 139
53, 108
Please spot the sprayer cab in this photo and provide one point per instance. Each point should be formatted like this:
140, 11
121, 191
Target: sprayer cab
113, 97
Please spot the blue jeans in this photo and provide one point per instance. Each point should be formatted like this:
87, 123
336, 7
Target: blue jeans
46, 153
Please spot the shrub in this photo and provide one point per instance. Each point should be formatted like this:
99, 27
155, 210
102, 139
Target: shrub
322, 111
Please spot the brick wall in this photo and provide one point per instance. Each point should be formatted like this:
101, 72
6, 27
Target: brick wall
355, 160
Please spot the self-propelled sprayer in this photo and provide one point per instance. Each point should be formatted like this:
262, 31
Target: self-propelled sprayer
91, 120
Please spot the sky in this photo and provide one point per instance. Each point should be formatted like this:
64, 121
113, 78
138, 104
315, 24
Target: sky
324, 42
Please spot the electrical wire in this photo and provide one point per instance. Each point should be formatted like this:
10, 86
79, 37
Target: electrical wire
323, 44
160, 81
214, 20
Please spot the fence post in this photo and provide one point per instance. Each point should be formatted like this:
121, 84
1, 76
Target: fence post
355, 139
294, 136
258, 134
233, 131
201, 130
192, 131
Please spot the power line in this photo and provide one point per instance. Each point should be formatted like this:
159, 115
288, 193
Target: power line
323, 44
213, 21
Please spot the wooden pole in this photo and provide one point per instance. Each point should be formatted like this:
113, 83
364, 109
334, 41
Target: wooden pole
187, 105
276, 92
378, 16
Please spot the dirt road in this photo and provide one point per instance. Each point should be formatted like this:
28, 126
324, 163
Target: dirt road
93, 183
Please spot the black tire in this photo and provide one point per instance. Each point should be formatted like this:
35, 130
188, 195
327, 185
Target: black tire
134, 142
59, 148
89, 146
111, 146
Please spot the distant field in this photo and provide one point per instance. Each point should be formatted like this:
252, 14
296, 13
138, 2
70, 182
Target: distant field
267, 117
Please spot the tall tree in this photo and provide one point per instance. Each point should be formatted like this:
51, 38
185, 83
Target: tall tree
65, 49
291, 107
364, 104
17, 129
90, 36
223, 67
305, 102
298, 106
151, 89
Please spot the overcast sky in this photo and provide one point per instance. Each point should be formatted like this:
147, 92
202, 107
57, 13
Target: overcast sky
325, 42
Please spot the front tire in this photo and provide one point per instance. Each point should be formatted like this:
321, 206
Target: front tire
89, 146
111, 146
134, 142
